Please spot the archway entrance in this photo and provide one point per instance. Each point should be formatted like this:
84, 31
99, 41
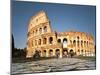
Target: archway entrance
65, 43
65, 52
57, 53
37, 54
71, 53
44, 53
51, 52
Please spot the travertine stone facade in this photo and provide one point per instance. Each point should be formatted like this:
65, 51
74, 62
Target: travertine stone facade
50, 43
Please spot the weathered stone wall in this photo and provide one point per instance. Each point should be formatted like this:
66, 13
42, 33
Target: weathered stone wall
41, 38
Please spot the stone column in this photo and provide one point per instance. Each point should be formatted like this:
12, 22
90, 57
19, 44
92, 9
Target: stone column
47, 53
48, 40
60, 53
54, 52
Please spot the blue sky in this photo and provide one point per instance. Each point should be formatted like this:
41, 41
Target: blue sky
63, 17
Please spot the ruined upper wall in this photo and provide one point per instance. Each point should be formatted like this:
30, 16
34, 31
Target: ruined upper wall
38, 19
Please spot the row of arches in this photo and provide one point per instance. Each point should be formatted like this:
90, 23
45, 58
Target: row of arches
56, 52
41, 41
38, 31
64, 53
74, 42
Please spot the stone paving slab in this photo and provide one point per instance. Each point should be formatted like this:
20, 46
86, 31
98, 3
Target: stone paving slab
52, 65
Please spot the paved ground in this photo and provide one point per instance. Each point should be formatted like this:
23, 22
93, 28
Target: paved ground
52, 65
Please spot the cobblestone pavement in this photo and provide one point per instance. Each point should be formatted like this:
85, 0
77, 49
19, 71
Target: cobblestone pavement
53, 65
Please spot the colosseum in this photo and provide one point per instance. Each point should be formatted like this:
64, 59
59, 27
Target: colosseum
49, 43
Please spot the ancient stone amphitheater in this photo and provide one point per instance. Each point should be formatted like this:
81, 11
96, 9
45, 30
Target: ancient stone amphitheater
50, 43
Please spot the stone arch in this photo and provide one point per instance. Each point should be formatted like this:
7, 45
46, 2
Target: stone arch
74, 42
57, 53
33, 32
39, 42
78, 43
65, 43
35, 42
65, 52
78, 50
45, 28
82, 52
81, 43
59, 40
78, 37
51, 40
85, 43
44, 53
51, 52
44, 40
65, 39
71, 52
36, 31
40, 30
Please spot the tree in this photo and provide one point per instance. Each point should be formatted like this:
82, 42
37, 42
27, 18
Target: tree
13, 47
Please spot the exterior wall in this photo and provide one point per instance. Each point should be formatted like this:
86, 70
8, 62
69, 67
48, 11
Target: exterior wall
41, 38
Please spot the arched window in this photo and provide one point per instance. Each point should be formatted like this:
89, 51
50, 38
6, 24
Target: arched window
51, 52
33, 32
40, 30
81, 43
74, 42
70, 41
78, 50
78, 37
50, 40
64, 40
59, 40
45, 29
36, 31
85, 43
44, 40
39, 41
78, 43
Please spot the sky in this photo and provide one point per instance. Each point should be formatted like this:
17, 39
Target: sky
63, 17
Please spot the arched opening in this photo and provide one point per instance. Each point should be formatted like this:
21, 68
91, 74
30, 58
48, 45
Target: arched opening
78, 50
78, 43
33, 32
35, 42
71, 42
81, 43
37, 55
64, 43
57, 53
65, 52
40, 30
71, 53
59, 40
65, 40
45, 29
51, 52
81, 52
85, 43
74, 42
44, 40
39, 42
78, 37
36, 31
50, 40
44, 53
